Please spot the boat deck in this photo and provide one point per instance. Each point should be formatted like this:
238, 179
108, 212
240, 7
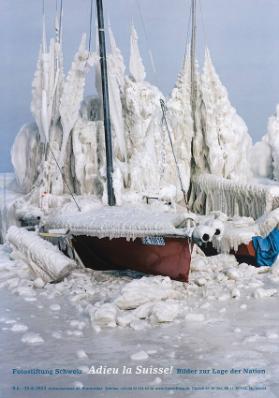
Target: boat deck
122, 222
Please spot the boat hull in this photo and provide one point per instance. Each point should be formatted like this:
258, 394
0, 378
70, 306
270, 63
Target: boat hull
173, 259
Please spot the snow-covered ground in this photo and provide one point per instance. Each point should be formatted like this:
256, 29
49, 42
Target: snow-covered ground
226, 318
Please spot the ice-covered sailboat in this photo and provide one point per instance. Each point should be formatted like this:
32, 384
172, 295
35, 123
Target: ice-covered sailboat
144, 228
113, 177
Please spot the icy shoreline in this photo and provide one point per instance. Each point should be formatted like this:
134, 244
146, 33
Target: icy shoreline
226, 317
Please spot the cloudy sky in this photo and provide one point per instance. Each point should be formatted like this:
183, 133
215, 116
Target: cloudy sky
243, 37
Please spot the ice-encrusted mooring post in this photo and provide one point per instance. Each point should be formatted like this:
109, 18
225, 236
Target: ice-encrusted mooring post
106, 110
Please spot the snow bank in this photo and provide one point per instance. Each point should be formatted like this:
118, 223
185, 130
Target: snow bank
44, 259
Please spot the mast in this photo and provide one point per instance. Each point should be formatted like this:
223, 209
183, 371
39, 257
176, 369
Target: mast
106, 111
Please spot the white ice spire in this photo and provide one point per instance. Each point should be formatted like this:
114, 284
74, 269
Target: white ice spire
116, 70
136, 67
226, 135
117, 59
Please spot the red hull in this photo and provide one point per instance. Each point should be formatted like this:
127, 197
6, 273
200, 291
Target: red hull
171, 260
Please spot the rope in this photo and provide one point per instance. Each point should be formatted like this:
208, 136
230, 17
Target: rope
90, 27
63, 178
203, 23
60, 20
150, 54
164, 119
188, 32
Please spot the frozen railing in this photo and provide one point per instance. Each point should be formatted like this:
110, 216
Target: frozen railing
234, 198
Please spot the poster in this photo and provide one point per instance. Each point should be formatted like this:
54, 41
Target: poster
69, 331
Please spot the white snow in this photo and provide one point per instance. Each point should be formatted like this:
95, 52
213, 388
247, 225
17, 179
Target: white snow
126, 221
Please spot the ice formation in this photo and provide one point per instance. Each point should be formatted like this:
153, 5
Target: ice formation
73, 93
130, 222
163, 158
137, 71
265, 153
27, 156
44, 259
215, 193
109, 300
144, 161
181, 125
226, 137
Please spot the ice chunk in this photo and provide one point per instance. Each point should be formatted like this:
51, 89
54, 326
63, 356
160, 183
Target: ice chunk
195, 317
260, 292
164, 312
81, 354
55, 307
19, 328
105, 315
139, 356
32, 338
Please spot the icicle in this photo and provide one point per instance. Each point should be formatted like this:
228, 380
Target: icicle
234, 198
136, 67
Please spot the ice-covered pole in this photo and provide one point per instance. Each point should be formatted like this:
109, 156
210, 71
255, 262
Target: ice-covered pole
106, 111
